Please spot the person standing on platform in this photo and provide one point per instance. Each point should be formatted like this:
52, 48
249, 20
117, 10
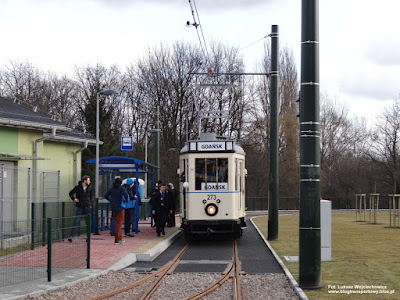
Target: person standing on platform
82, 195
129, 208
114, 195
152, 193
172, 198
138, 198
161, 208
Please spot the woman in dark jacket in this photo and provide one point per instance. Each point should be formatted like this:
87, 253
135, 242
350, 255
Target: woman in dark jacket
114, 195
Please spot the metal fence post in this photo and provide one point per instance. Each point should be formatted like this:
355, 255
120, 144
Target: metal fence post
49, 249
32, 226
96, 215
63, 220
2, 207
88, 232
43, 224
28, 198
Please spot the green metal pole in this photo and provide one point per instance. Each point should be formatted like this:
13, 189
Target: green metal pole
310, 137
49, 241
88, 231
63, 225
157, 146
33, 226
44, 224
273, 203
96, 217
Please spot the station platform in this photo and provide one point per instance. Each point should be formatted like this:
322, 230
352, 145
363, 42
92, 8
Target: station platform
105, 256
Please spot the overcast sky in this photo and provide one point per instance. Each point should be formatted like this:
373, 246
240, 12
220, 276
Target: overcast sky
359, 39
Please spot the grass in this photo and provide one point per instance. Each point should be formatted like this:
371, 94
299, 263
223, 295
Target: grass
13, 250
362, 254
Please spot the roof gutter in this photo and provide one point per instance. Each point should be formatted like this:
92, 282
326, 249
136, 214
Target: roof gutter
60, 138
76, 160
34, 125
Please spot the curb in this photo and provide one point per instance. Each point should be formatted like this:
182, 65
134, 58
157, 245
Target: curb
289, 275
129, 259
155, 251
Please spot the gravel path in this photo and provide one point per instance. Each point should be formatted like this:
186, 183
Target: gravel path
179, 286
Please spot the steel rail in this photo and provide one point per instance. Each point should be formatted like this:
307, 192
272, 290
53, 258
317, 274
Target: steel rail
160, 273
232, 272
237, 287
150, 291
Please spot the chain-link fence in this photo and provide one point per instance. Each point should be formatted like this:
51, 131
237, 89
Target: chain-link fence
43, 250
20, 187
35, 226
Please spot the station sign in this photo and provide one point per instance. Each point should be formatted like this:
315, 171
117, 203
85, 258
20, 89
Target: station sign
126, 143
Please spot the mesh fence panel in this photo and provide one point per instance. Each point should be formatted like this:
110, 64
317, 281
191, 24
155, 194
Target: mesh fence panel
21, 259
65, 254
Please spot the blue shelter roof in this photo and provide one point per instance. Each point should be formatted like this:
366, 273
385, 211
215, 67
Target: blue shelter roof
123, 163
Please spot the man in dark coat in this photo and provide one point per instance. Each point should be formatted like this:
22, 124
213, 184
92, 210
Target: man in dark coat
172, 198
82, 195
161, 208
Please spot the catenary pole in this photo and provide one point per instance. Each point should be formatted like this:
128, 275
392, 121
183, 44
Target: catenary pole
310, 136
157, 145
273, 203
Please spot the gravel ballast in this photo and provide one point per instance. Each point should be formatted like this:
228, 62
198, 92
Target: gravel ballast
178, 286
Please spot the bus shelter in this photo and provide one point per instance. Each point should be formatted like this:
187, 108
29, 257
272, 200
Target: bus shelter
124, 167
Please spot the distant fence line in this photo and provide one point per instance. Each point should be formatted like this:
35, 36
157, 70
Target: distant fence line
287, 203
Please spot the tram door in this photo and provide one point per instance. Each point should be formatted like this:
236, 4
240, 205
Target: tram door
240, 180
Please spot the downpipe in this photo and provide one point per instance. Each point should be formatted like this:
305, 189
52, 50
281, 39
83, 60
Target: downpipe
35, 163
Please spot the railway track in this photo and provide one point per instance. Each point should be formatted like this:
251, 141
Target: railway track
232, 272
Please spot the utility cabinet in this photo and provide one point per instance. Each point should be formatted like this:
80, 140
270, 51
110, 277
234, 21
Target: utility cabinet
326, 230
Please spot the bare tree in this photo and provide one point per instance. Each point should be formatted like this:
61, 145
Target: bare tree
385, 146
24, 83
288, 122
342, 143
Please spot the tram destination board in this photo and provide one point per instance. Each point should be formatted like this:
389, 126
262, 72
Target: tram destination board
211, 146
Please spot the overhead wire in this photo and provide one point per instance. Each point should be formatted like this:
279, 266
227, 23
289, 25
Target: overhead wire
196, 24
254, 42
201, 27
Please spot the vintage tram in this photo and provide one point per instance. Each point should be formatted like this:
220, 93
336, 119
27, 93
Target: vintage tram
212, 187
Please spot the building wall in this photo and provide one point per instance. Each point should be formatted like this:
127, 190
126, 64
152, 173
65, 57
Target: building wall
58, 156
8, 139
62, 158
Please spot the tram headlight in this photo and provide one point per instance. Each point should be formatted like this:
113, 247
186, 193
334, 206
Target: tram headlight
211, 209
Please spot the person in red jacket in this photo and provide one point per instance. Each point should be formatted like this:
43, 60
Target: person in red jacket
114, 195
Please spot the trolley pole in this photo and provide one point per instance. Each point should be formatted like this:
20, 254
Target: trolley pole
273, 203
310, 136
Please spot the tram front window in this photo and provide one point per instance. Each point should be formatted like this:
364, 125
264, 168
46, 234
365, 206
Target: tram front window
211, 174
